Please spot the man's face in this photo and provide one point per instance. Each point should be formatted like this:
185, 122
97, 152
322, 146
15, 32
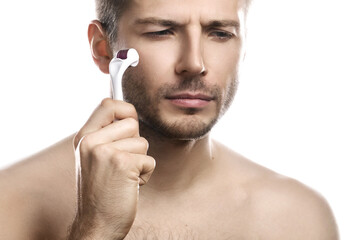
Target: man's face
189, 55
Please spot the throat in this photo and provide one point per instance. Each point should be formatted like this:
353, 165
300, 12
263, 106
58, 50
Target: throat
180, 164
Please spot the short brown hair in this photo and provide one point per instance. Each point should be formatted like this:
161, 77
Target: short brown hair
109, 13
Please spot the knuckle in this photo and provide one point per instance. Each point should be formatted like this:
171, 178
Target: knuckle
107, 102
86, 143
132, 110
100, 151
132, 124
121, 160
143, 143
152, 160
78, 139
129, 110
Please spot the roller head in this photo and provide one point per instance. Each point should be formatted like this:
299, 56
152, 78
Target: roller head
129, 55
122, 54
117, 67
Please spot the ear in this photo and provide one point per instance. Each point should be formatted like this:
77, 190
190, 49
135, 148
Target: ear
100, 47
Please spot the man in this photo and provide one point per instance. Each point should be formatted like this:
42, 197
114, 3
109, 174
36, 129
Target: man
190, 54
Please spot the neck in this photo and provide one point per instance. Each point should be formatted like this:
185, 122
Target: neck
180, 164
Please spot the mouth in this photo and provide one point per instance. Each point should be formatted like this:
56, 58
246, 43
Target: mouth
190, 100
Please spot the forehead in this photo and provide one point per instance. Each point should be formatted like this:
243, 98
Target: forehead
187, 10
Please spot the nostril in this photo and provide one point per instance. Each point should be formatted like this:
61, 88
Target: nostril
192, 71
190, 67
203, 70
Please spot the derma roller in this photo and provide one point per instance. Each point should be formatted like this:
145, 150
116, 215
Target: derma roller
118, 65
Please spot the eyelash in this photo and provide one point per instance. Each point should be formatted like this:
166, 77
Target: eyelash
219, 34
159, 34
222, 35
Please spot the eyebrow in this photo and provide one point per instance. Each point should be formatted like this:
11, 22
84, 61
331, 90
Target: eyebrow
172, 23
157, 21
223, 23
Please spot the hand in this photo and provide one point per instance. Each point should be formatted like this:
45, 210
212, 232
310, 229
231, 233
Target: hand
113, 165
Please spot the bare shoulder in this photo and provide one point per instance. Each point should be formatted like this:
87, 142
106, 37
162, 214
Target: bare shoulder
287, 207
280, 207
35, 192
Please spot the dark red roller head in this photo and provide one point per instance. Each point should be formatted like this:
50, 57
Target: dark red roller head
122, 54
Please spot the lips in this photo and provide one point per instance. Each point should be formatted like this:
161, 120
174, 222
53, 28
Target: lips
190, 100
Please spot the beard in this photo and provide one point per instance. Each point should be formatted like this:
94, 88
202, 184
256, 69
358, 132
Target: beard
188, 127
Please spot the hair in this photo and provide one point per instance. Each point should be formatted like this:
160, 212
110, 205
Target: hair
109, 13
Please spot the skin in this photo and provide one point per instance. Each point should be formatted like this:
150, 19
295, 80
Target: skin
199, 189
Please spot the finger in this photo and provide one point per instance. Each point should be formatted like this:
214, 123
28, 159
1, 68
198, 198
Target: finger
105, 114
108, 111
148, 166
126, 128
137, 168
138, 145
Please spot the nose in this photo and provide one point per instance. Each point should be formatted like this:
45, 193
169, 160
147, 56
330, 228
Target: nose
191, 60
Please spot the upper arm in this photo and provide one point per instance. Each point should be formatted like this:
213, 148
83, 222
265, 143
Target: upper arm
21, 208
38, 195
16, 219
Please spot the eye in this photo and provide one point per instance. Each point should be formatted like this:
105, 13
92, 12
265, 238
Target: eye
222, 35
159, 34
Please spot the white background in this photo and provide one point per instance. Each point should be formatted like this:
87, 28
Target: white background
296, 112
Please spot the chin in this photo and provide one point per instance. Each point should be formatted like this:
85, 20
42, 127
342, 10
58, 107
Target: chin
182, 129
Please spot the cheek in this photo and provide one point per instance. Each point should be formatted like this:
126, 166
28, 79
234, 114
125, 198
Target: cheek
222, 64
156, 66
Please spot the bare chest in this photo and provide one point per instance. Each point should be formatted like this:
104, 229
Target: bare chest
210, 222
154, 231
159, 231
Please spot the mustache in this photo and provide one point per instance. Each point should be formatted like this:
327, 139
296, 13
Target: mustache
191, 84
